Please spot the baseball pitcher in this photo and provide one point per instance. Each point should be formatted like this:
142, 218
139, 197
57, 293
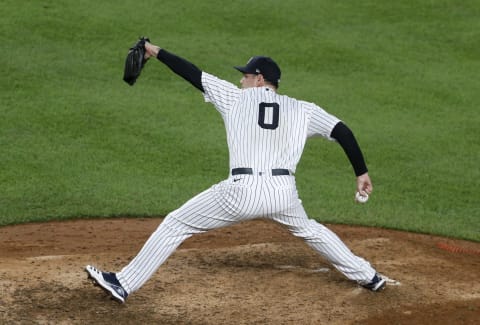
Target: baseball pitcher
266, 135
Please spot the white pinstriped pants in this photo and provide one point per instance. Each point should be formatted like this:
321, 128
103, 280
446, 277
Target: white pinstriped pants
240, 198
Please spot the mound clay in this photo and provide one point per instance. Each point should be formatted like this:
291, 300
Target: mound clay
252, 273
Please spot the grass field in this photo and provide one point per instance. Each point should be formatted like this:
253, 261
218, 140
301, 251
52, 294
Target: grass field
76, 141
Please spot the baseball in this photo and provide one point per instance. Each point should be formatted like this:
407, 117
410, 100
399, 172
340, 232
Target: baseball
361, 198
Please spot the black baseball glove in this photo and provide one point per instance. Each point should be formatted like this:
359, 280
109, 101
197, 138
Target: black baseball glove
135, 61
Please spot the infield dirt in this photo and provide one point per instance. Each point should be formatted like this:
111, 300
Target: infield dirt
251, 273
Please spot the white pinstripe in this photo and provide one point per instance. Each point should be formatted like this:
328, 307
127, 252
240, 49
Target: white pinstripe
244, 197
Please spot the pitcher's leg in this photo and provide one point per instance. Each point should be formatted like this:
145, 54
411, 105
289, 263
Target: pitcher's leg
331, 247
198, 215
161, 244
327, 244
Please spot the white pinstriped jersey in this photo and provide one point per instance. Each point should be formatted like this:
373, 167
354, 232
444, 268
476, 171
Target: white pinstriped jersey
265, 130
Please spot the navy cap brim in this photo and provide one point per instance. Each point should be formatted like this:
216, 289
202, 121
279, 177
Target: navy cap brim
244, 70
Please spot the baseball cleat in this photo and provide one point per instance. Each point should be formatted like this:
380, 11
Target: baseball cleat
377, 283
108, 282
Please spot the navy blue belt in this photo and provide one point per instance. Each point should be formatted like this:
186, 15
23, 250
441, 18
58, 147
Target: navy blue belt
249, 171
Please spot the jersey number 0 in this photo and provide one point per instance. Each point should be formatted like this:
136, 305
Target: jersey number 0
274, 112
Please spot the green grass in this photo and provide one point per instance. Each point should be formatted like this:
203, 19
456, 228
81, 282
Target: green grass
76, 141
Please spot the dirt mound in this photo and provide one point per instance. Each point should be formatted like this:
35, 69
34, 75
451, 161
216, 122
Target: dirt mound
251, 273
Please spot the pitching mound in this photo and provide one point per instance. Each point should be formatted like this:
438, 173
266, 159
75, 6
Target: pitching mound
251, 273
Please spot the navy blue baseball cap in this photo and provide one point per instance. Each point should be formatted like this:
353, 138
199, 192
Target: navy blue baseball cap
262, 65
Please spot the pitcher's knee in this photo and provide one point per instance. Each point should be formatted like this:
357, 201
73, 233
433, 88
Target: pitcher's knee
309, 231
182, 226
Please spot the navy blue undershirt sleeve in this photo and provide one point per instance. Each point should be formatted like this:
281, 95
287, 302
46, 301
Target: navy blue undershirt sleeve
182, 67
347, 140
